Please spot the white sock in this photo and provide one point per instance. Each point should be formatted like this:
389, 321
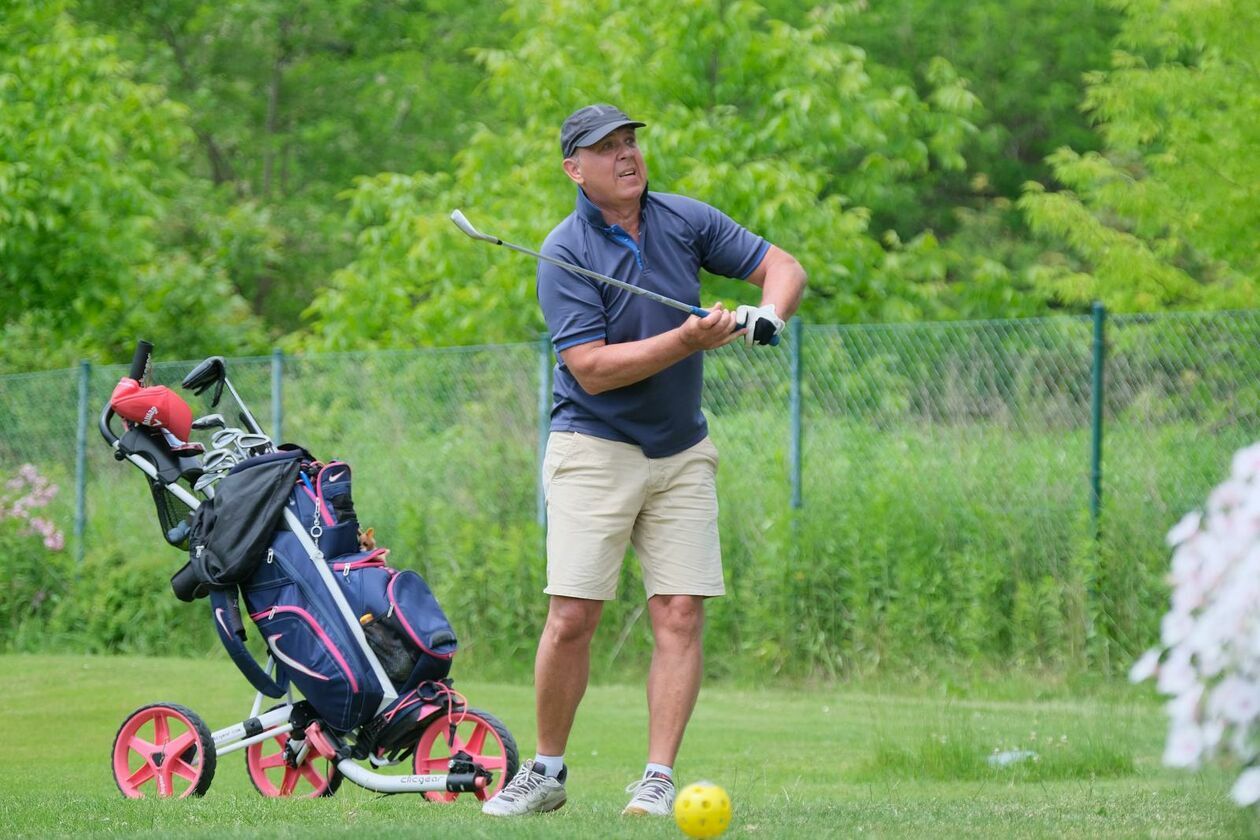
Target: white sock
551, 765
659, 768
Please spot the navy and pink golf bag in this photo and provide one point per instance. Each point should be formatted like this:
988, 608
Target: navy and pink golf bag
358, 652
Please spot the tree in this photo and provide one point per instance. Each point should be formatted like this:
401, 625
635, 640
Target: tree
1168, 214
289, 101
1024, 59
85, 162
778, 125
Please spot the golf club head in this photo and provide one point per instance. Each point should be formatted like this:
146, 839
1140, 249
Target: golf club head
210, 421
207, 480
466, 226
251, 444
219, 460
211, 371
206, 373
225, 438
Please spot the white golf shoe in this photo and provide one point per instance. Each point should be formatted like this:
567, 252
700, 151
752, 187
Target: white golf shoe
653, 795
529, 792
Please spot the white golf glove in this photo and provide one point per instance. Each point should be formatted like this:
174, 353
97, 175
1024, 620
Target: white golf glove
761, 322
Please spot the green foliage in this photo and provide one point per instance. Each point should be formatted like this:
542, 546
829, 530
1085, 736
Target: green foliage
946, 492
87, 174
35, 570
289, 101
1166, 216
205, 173
905, 570
123, 603
781, 126
1023, 59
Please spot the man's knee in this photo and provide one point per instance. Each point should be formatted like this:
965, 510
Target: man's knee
572, 620
677, 617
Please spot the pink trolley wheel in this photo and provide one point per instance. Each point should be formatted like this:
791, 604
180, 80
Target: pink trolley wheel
478, 733
316, 776
163, 750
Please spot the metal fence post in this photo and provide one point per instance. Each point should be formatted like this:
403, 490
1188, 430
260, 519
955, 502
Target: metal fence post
794, 445
544, 423
1096, 417
277, 395
80, 464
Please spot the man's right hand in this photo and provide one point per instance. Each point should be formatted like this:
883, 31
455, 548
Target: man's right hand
715, 330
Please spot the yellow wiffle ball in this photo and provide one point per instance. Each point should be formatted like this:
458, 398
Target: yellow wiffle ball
702, 810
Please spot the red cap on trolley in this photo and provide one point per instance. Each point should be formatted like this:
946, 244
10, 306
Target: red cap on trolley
156, 406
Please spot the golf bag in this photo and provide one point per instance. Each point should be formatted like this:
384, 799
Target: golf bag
315, 617
367, 646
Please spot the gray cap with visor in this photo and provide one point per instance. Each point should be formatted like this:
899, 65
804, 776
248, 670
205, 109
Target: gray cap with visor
591, 124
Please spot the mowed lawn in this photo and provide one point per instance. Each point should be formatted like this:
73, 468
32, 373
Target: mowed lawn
845, 761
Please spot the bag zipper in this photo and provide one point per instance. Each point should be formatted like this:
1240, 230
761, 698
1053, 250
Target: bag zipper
375, 559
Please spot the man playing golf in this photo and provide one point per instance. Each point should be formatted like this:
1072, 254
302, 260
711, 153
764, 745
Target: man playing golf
629, 460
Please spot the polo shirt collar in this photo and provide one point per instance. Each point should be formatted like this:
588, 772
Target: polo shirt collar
587, 210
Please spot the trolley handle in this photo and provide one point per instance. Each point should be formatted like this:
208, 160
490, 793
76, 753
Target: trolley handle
140, 359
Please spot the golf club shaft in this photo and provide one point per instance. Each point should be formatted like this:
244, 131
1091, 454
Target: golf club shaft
612, 281
463, 224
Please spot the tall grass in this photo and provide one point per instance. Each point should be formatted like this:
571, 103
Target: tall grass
915, 550
946, 518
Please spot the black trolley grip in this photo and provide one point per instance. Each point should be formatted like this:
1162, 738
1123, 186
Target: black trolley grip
140, 360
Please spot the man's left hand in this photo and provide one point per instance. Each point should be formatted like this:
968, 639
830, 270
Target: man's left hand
761, 322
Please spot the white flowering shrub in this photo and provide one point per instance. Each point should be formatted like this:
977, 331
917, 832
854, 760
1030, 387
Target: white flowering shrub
1208, 656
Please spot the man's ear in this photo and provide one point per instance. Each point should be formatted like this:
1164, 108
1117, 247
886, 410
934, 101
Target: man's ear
574, 170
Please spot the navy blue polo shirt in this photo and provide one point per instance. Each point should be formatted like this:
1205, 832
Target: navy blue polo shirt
678, 236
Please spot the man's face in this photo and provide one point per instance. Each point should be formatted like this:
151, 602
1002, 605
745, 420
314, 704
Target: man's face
611, 171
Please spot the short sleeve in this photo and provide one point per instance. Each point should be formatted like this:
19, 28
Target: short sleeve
571, 305
726, 247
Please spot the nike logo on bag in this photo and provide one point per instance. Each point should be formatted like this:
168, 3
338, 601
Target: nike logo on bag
333, 478
290, 661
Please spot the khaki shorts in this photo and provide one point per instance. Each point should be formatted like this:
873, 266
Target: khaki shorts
603, 496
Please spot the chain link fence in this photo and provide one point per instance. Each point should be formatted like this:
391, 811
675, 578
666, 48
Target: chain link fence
885, 490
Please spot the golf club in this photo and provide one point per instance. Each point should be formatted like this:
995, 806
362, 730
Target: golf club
212, 372
217, 460
250, 444
207, 480
466, 226
224, 438
210, 421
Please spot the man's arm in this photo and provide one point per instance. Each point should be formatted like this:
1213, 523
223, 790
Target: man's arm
781, 279
599, 367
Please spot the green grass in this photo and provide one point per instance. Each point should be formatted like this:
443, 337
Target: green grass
869, 759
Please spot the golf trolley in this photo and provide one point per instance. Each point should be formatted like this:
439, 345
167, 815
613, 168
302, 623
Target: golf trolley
366, 645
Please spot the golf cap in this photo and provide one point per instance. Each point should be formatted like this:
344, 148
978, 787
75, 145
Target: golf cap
591, 124
157, 406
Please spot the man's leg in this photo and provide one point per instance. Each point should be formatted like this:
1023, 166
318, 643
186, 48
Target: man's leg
674, 677
672, 688
562, 667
